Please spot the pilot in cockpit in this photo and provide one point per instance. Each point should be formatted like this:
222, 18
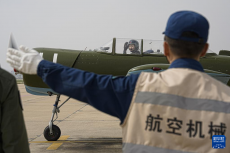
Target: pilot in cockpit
133, 46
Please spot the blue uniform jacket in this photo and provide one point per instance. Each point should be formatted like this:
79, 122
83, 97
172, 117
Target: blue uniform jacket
112, 96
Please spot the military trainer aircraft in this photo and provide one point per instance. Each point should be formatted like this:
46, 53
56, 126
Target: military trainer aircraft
117, 59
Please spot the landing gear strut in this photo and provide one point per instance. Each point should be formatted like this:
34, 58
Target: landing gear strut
52, 132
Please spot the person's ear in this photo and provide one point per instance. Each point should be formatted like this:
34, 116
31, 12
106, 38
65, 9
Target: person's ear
166, 48
204, 51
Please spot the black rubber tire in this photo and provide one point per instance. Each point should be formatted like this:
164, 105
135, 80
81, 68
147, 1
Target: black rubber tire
56, 133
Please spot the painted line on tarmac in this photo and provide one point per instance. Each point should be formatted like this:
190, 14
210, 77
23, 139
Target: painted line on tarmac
81, 141
55, 146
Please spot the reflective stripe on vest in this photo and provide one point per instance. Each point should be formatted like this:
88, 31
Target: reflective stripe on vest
177, 111
134, 148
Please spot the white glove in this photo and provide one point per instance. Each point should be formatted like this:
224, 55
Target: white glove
24, 60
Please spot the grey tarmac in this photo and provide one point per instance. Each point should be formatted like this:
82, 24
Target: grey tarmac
83, 128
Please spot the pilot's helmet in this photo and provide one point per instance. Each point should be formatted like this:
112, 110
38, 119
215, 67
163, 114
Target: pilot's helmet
135, 43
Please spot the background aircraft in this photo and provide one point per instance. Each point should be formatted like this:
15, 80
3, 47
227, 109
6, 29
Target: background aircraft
109, 59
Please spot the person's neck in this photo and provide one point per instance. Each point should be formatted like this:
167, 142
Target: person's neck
176, 57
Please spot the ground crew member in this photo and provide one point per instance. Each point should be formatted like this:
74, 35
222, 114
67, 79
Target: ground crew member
176, 111
13, 136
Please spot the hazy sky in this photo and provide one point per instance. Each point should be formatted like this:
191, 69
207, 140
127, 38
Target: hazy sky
76, 24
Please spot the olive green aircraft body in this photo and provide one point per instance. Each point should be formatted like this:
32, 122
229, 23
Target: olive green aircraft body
114, 63
97, 62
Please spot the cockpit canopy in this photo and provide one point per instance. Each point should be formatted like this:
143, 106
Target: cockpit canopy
142, 46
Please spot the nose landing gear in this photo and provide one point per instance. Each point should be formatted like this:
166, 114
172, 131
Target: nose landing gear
52, 132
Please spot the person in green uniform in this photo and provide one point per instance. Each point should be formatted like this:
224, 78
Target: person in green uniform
13, 135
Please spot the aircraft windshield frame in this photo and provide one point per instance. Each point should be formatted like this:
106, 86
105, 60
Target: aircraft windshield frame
153, 47
106, 48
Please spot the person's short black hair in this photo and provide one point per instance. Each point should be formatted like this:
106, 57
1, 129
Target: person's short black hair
183, 48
